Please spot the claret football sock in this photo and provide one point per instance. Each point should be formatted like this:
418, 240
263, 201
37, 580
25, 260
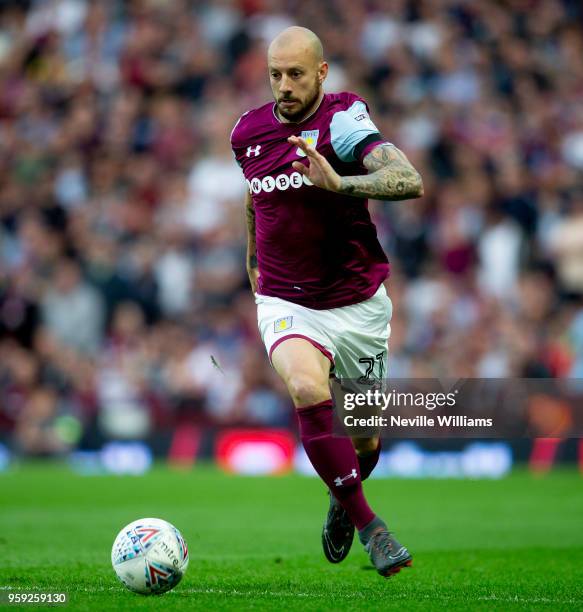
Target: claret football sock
334, 458
367, 462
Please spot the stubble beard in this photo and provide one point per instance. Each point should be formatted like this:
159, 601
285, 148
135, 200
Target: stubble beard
305, 109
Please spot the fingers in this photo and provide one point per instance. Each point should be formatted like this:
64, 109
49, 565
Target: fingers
300, 167
296, 140
303, 145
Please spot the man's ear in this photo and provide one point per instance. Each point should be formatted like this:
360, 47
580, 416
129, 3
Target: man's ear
323, 72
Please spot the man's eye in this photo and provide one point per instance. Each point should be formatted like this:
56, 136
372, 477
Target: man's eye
296, 75
274, 75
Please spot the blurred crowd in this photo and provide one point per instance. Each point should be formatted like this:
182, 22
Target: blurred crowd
124, 302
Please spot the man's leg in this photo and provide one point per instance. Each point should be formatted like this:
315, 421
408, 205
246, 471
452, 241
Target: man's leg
338, 530
305, 371
368, 451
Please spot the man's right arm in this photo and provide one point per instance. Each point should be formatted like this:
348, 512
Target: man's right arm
252, 269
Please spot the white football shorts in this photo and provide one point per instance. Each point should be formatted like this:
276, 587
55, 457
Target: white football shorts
354, 338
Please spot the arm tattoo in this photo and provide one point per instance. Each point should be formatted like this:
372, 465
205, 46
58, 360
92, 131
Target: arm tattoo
251, 246
391, 177
250, 214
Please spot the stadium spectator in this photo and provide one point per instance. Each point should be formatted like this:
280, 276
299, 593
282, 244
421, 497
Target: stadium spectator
73, 310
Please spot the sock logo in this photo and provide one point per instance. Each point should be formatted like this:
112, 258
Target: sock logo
340, 481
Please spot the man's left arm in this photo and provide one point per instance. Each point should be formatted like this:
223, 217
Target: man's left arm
391, 176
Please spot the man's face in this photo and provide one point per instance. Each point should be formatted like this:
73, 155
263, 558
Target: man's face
296, 83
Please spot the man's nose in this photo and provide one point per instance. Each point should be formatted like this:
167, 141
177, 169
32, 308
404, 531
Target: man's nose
285, 85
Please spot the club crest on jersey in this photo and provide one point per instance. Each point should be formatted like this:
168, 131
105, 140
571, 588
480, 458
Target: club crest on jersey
282, 324
311, 137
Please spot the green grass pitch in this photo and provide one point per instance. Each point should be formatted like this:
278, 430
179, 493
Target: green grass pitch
254, 543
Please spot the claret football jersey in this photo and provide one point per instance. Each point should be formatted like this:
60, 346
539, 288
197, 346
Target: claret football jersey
314, 247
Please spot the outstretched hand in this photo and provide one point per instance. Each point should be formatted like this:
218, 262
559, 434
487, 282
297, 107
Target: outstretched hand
319, 171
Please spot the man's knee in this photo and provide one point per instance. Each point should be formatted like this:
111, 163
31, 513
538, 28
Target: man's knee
307, 390
305, 371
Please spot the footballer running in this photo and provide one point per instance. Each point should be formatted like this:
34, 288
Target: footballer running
311, 160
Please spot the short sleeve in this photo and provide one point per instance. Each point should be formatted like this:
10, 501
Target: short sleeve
234, 132
236, 142
352, 132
